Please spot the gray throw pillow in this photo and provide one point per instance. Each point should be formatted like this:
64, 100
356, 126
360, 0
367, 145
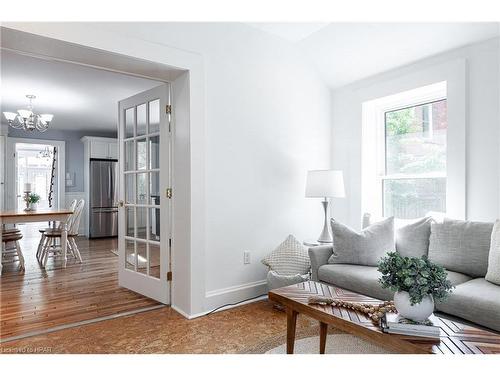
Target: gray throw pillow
412, 240
364, 248
461, 246
493, 274
412, 235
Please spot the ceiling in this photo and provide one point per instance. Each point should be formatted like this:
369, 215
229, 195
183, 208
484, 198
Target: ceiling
346, 52
291, 31
79, 97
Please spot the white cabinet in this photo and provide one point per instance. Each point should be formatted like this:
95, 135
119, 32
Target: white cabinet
113, 150
101, 148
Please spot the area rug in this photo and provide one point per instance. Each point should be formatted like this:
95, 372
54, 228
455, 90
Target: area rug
307, 342
141, 262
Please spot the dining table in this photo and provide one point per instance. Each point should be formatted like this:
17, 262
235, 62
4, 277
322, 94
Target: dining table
39, 215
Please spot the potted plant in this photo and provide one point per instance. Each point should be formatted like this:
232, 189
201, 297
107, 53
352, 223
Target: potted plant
33, 199
417, 282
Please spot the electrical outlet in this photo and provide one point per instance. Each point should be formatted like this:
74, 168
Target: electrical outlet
246, 257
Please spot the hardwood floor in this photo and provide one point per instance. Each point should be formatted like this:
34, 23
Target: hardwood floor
39, 299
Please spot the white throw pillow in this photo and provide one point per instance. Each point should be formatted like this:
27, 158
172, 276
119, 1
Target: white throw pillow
289, 258
493, 274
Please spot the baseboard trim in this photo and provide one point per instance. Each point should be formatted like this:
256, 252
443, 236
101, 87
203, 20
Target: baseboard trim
249, 292
199, 315
236, 288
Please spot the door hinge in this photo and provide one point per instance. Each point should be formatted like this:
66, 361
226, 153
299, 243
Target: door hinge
169, 276
169, 193
170, 242
168, 109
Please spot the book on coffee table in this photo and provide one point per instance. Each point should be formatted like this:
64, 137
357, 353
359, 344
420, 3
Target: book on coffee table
395, 324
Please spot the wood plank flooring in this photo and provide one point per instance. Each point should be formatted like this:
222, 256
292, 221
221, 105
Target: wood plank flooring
41, 299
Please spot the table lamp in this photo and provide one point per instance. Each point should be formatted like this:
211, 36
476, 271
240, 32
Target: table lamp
325, 184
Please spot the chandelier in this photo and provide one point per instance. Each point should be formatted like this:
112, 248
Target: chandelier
46, 154
27, 119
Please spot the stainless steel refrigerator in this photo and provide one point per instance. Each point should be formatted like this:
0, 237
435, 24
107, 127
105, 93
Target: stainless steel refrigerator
103, 198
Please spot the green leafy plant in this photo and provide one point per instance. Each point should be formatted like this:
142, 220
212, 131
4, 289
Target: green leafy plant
417, 276
33, 198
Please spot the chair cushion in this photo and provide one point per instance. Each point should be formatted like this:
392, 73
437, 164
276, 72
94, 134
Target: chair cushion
365, 248
359, 279
493, 273
461, 246
477, 300
289, 258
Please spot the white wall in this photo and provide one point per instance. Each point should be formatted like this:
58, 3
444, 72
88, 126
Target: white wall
482, 124
266, 123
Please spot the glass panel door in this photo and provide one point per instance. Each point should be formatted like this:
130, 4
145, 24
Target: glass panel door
144, 229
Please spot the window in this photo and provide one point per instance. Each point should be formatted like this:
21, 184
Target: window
405, 153
414, 181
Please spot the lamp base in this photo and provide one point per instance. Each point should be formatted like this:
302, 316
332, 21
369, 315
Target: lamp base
325, 236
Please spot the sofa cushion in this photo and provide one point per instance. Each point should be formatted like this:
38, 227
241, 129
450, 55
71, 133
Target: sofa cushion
364, 248
477, 300
493, 274
456, 278
360, 279
289, 258
364, 279
461, 246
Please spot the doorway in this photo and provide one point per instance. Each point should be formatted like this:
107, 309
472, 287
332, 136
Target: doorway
86, 56
35, 161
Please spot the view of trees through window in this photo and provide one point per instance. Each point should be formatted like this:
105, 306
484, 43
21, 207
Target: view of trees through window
415, 160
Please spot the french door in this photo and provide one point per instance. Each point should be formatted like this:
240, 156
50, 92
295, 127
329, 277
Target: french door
144, 175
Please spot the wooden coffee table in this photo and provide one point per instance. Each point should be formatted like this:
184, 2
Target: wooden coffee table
456, 338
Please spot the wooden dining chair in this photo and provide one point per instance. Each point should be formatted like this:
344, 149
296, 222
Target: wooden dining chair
12, 253
52, 242
42, 231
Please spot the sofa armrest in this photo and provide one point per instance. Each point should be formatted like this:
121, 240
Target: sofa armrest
319, 256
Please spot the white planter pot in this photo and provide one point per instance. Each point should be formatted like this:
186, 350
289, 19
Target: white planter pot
33, 206
418, 312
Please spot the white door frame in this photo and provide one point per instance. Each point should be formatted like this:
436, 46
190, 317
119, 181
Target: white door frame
10, 186
78, 44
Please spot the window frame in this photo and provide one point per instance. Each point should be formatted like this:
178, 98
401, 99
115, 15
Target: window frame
384, 176
374, 142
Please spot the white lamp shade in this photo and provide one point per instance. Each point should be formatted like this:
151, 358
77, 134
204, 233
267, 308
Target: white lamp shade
325, 184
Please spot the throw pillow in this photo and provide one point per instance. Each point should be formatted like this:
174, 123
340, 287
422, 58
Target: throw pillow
412, 240
411, 236
493, 273
461, 246
289, 258
363, 248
